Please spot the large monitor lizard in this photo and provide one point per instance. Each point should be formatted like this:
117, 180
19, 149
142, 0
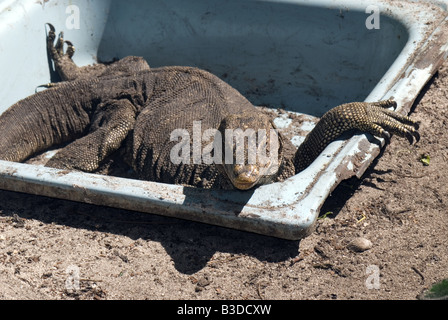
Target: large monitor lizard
99, 109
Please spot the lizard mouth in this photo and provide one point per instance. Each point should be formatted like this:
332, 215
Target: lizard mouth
245, 177
244, 184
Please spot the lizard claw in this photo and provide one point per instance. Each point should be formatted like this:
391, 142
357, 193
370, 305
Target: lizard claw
386, 136
57, 50
51, 35
52, 28
385, 120
413, 136
70, 49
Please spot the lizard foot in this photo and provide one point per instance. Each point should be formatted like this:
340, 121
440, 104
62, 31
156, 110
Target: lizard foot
383, 121
57, 50
61, 52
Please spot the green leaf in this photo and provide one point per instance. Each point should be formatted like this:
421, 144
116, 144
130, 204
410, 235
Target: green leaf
425, 159
438, 291
326, 214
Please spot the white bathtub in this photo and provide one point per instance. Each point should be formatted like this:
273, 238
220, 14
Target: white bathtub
302, 56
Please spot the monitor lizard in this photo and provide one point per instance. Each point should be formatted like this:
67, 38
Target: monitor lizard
101, 108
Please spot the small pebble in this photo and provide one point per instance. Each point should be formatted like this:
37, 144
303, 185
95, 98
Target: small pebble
360, 244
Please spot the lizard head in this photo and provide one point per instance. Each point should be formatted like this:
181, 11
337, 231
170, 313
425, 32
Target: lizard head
251, 149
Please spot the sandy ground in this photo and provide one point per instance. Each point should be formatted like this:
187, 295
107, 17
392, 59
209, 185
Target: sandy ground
399, 205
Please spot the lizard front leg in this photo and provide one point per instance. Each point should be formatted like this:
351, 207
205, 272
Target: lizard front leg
110, 126
371, 117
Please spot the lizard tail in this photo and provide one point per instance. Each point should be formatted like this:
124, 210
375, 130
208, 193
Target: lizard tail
36, 123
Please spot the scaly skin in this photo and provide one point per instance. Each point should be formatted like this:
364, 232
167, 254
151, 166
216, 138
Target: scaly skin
371, 117
127, 106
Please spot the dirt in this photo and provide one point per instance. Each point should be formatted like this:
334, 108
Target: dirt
380, 237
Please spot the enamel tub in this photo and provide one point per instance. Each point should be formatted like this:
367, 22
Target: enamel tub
297, 56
